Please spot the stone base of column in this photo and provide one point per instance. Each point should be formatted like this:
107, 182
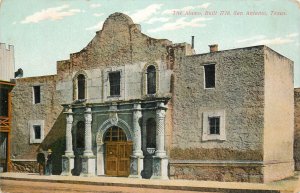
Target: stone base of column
136, 166
67, 165
160, 168
88, 166
100, 164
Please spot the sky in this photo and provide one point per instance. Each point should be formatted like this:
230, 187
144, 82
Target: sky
45, 31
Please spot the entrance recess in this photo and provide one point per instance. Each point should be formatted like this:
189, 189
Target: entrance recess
118, 151
3, 152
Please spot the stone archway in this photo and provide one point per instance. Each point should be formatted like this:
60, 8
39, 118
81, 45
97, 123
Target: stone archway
100, 142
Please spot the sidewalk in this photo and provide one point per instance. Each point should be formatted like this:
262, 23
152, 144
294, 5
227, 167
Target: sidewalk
284, 186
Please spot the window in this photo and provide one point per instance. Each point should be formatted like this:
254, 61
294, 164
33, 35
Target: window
36, 128
36, 94
115, 134
4, 101
81, 86
213, 125
151, 80
114, 82
37, 131
80, 134
209, 73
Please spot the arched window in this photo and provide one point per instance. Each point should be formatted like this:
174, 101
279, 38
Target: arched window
151, 80
151, 133
115, 134
81, 86
80, 134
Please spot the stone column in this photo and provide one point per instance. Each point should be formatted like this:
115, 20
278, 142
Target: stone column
68, 158
136, 162
160, 160
88, 133
88, 158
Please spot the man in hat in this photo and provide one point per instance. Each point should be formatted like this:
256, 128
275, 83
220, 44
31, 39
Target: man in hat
41, 161
49, 163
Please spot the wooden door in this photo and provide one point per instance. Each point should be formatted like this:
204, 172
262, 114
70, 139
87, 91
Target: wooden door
118, 158
111, 159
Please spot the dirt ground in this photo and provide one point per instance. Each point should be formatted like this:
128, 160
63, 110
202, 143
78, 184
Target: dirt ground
14, 186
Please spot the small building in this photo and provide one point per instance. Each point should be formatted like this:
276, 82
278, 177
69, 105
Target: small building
131, 105
297, 130
7, 66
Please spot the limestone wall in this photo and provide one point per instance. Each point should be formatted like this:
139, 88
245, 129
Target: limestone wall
120, 45
48, 111
217, 172
133, 80
278, 116
297, 129
239, 92
119, 42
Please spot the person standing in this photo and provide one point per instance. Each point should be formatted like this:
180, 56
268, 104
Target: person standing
49, 163
41, 162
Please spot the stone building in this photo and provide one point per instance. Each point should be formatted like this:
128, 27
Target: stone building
7, 66
297, 129
7, 62
131, 105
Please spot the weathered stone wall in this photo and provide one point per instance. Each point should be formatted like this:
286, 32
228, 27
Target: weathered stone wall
297, 129
120, 45
24, 166
133, 80
121, 42
48, 110
239, 91
278, 116
217, 172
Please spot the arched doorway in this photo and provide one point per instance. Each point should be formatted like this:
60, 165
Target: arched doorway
117, 152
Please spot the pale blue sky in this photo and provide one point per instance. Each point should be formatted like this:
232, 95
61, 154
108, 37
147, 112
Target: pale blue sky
45, 31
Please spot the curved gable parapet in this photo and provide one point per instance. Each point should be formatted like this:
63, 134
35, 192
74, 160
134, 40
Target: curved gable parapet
117, 19
121, 42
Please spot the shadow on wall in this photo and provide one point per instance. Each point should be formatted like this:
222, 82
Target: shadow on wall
55, 140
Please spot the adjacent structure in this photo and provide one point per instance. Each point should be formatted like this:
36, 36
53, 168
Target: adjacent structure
131, 105
7, 66
297, 129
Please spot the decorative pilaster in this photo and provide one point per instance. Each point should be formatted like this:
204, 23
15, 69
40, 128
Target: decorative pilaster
88, 158
136, 162
68, 158
160, 130
160, 160
88, 133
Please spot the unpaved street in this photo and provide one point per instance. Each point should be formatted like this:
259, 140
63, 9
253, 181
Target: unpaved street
14, 186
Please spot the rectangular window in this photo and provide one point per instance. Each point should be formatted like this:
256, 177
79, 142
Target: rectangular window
4, 102
114, 82
209, 72
37, 131
214, 125
36, 94
36, 128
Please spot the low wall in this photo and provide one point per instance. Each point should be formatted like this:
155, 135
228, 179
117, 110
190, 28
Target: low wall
24, 166
228, 171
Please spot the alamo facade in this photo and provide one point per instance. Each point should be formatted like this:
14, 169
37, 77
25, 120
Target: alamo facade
131, 105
